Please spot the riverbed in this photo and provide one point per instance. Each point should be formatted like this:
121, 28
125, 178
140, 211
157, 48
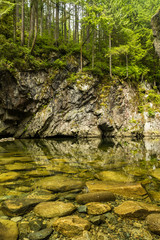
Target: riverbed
117, 163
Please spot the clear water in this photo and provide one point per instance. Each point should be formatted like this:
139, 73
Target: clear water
35, 159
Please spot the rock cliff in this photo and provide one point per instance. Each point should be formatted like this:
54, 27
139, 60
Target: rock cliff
50, 104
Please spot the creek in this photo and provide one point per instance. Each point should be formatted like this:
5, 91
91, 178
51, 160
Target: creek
24, 162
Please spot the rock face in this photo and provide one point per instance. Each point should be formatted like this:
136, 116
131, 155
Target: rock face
47, 104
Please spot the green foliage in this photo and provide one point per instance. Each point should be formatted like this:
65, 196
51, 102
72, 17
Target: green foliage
59, 64
127, 22
153, 97
151, 113
5, 8
140, 109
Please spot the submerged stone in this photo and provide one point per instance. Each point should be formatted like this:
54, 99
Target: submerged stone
153, 222
19, 166
114, 176
9, 176
21, 205
95, 197
71, 226
155, 195
38, 173
8, 230
95, 208
41, 235
54, 209
59, 183
156, 173
130, 190
136, 209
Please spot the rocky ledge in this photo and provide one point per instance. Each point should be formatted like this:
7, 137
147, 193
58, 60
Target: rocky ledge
50, 104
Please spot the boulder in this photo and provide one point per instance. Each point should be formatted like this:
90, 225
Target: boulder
8, 230
71, 226
156, 173
19, 166
9, 176
21, 205
155, 196
95, 197
95, 208
114, 176
54, 209
130, 190
136, 209
39, 173
153, 222
59, 183
41, 196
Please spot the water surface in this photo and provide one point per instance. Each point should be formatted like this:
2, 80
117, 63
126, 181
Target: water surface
35, 159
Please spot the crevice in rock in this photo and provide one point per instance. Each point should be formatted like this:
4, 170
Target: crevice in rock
106, 130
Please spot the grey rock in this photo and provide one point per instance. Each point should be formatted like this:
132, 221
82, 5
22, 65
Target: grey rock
46, 104
96, 220
82, 209
41, 235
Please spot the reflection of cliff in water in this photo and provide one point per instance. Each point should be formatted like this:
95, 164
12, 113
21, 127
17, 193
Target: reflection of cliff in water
89, 153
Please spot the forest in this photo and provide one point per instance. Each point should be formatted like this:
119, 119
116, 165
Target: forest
114, 37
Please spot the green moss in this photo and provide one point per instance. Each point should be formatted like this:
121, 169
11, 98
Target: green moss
153, 97
140, 109
133, 120
151, 113
59, 64
72, 78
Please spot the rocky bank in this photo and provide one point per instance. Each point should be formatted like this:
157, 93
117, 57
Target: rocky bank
50, 104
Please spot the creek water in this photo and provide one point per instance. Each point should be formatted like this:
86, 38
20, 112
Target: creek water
34, 159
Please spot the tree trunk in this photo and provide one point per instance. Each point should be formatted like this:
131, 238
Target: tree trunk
76, 25
35, 26
110, 56
41, 18
49, 17
65, 23
126, 65
57, 21
14, 22
23, 23
69, 24
93, 47
81, 59
32, 22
